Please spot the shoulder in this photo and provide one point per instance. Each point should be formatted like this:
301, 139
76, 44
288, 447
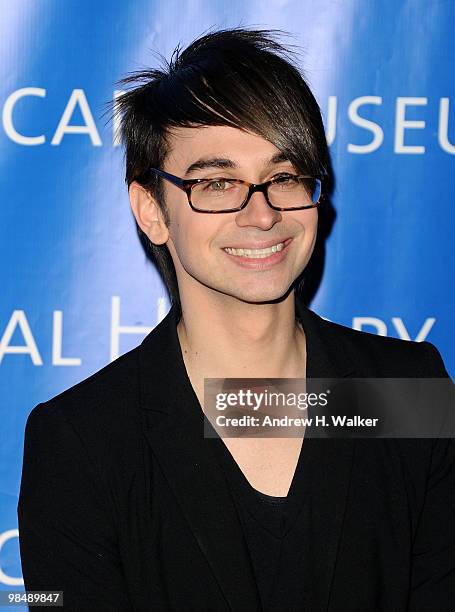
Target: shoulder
100, 410
382, 355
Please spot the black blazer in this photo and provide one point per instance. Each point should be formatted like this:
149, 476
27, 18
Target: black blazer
123, 506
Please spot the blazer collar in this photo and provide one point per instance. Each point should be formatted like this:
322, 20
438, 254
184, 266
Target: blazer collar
173, 425
327, 356
161, 359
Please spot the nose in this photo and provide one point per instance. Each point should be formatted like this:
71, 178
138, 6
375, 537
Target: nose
258, 213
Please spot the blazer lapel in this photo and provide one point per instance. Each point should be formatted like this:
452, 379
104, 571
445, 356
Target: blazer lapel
327, 465
174, 427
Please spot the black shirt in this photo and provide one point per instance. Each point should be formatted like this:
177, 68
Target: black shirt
272, 533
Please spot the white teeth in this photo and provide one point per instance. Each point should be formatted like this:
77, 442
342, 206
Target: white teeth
255, 253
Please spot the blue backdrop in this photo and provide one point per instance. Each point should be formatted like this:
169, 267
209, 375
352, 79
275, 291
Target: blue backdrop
77, 290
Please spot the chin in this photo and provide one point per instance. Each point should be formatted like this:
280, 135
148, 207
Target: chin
258, 295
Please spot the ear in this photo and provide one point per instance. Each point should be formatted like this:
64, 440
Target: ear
148, 213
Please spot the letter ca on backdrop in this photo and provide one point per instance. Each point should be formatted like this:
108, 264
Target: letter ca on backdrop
399, 110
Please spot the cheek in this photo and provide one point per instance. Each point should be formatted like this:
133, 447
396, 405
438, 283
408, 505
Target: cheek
179, 226
312, 221
308, 221
312, 232
190, 237
313, 226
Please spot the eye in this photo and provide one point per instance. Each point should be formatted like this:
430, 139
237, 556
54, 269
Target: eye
217, 185
285, 179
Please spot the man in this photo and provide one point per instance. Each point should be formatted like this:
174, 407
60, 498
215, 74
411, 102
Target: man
124, 504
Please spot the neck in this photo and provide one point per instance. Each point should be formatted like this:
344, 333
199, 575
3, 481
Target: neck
227, 338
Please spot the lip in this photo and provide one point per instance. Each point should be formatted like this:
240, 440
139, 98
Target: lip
263, 262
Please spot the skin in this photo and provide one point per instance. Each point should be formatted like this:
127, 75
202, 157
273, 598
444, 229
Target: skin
249, 310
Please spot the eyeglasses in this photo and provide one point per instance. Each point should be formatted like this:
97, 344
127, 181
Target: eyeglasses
222, 195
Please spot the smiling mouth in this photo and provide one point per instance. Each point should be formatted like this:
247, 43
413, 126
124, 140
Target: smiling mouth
256, 253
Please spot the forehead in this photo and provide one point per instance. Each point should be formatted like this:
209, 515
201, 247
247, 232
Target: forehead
187, 145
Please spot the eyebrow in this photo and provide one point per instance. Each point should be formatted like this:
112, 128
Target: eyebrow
224, 162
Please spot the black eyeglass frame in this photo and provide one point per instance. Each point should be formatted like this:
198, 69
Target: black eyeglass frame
187, 185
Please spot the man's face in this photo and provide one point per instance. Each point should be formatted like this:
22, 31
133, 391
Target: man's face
198, 241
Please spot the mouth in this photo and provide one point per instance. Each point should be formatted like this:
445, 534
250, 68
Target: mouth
259, 259
250, 253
